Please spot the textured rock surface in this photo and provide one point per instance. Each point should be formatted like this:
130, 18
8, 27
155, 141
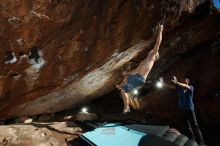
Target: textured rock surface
38, 134
85, 44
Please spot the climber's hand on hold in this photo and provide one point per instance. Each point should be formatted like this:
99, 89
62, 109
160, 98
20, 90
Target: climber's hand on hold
160, 27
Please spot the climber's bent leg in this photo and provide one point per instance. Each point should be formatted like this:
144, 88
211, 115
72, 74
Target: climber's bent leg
133, 81
132, 103
137, 102
125, 98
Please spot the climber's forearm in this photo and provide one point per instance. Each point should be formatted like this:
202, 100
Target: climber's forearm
158, 42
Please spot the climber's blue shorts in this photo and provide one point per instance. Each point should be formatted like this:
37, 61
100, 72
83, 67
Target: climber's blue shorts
133, 81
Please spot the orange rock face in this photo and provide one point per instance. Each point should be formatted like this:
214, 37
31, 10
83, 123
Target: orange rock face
83, 46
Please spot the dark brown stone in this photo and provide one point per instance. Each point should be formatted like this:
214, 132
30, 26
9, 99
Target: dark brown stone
85, 45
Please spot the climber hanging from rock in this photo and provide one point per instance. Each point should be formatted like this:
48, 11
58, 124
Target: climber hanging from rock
136, 78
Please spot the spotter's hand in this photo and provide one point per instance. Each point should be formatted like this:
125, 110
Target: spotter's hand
174, 80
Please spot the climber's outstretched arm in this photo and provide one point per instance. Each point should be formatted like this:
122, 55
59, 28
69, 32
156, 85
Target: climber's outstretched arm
158, 41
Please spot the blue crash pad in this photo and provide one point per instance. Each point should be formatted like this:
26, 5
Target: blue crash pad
113, 135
